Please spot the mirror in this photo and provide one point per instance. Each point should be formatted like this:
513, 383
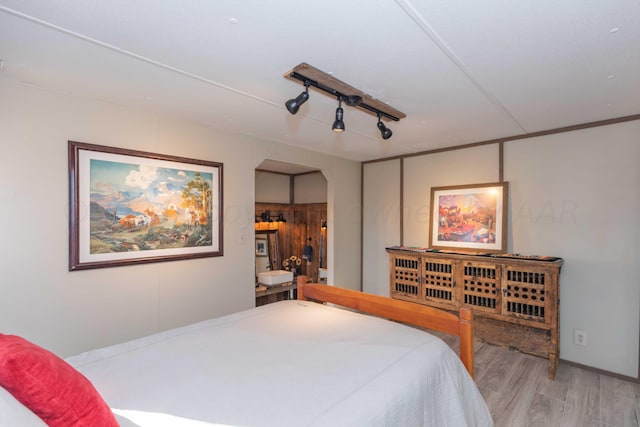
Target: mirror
267, 251
323, 245
322, 261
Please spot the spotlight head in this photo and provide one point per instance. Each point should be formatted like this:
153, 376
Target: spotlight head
293, 105
384, 131
338, 125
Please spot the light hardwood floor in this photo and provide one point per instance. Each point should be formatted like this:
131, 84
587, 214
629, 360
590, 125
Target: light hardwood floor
516, 388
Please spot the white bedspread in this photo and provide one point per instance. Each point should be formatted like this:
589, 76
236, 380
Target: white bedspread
291, 363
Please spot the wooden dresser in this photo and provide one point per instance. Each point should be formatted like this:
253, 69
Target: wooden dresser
515, 299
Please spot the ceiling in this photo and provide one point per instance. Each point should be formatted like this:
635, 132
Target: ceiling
462, 71
284, 167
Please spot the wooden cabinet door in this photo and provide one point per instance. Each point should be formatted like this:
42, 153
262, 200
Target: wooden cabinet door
406, 277
439, 282
481, 286
527, 292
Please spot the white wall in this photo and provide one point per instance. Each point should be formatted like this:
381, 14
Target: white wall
69, 312
275, 188
381, 223
575, 195
344, 225
272, 187
420, 173
470, 166
310, 188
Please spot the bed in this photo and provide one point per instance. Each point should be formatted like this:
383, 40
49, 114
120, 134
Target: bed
295, 363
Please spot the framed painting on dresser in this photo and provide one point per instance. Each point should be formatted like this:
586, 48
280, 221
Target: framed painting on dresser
469, 217
130, 207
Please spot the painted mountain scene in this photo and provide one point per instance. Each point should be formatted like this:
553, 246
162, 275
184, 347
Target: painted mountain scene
141, 207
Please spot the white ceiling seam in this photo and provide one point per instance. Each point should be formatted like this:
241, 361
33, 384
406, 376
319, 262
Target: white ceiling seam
135, 55
167, 67
462, 71
424, 25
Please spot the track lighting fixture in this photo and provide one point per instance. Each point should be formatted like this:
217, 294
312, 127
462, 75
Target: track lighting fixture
384, 131
293, 105
338, 124
265, 216
352, 97
353, 100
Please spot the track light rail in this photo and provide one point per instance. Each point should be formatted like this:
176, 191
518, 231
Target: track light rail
307, 74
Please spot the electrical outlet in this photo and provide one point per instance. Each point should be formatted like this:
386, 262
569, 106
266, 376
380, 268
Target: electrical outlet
579, 337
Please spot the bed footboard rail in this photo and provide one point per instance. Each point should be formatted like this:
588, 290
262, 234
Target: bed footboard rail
400, 311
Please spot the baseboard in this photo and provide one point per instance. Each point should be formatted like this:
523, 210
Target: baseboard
601, 371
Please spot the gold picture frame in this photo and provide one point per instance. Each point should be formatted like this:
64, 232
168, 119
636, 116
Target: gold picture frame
469, 217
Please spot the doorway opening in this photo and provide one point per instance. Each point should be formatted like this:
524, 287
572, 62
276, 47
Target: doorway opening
292, 200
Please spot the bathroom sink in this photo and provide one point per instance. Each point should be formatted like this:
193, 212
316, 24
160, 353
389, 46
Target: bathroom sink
277, 277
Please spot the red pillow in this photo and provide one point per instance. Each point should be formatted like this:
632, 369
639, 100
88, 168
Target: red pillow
50, 387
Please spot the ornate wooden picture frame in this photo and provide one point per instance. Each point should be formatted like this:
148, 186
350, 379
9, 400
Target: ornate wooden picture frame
469, 217
130, 207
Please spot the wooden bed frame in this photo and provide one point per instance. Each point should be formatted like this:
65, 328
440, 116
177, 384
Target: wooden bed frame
400, 311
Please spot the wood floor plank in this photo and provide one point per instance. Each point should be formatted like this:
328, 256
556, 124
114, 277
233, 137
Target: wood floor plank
499, 369
494, 402
518, 393
618, 402
544, 411
636, 388
583, 399
559, 386
482, 358
520, 388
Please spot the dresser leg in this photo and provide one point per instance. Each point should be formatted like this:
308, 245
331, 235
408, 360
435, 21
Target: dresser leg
553, 366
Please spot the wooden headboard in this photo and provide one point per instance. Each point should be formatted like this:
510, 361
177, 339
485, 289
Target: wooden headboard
400, 311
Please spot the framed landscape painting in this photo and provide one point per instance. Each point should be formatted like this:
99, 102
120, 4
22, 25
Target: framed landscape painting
129, 207
469, 217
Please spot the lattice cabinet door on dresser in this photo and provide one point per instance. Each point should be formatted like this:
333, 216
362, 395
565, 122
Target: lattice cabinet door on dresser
407, 277
514, 298
482, 286
525, 294
439, 284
